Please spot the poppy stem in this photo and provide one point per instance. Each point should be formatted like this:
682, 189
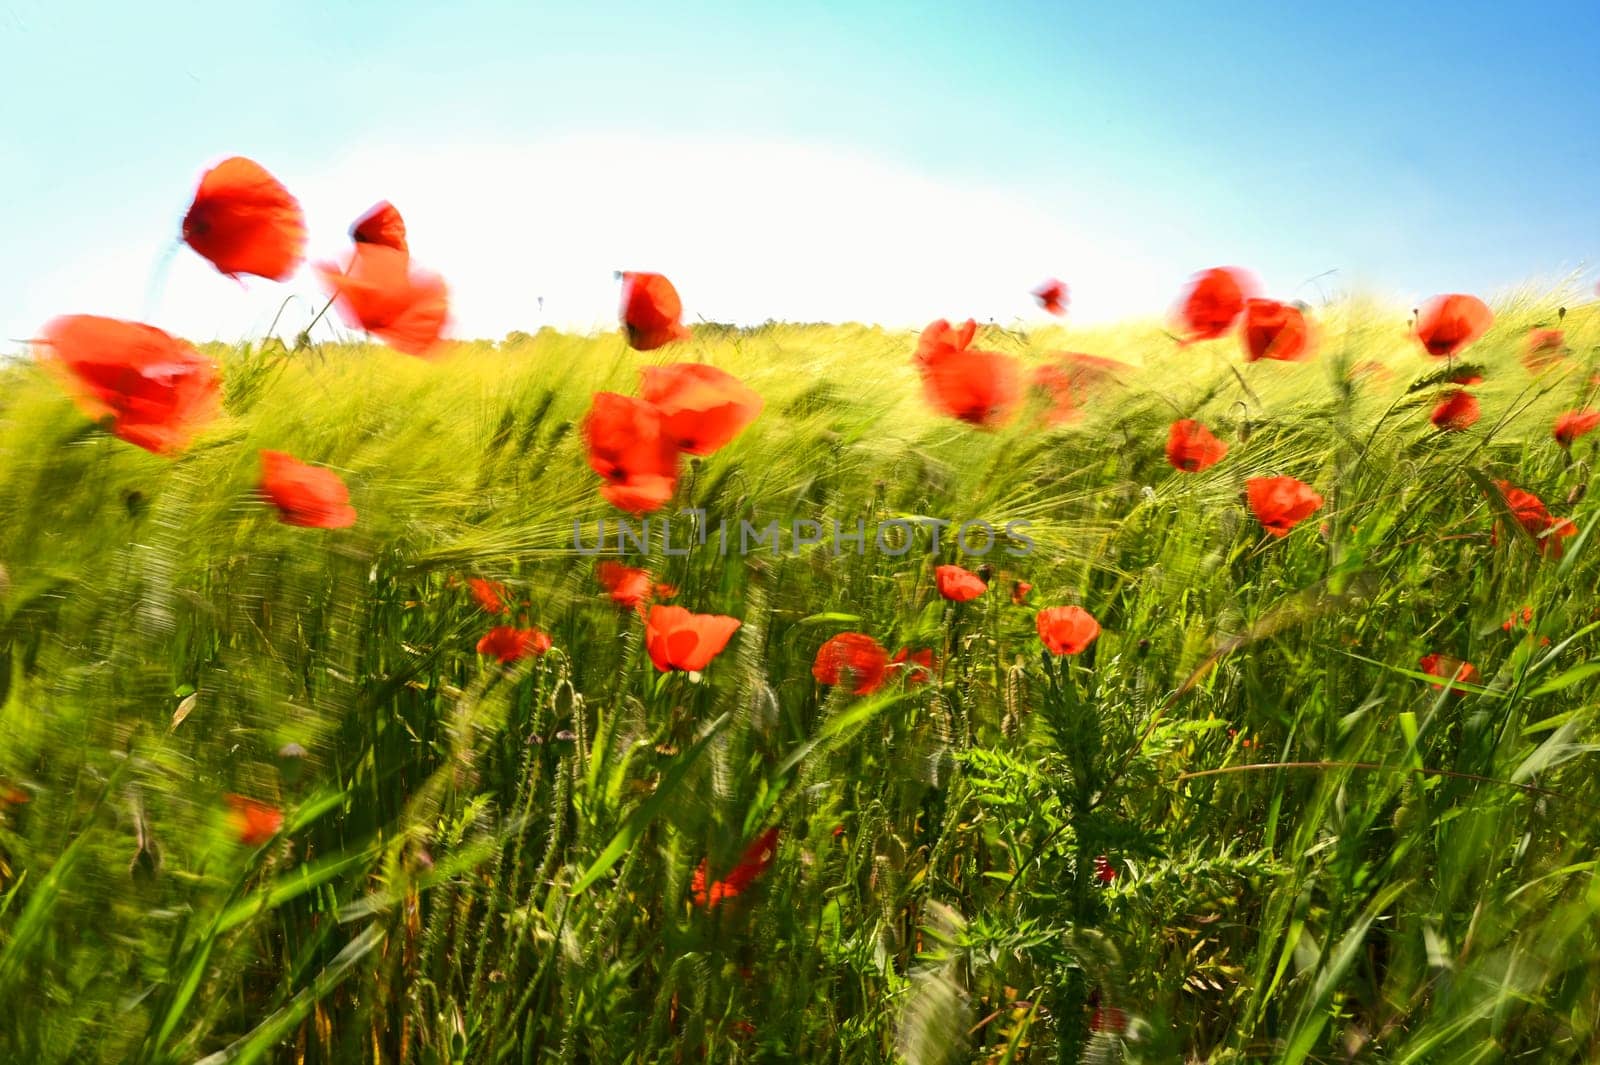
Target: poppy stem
273, 328
158, 278
305, 334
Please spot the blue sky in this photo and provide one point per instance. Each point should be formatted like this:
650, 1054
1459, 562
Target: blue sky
805, 161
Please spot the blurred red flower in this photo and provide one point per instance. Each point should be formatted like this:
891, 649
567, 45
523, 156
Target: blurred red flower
1066, 630
1056, 384
491, 595
1070, 375
978, 387
1533, 516
1575, 423
1108, 1019
252, 822
919, 665
752, 863
1274, 330
1019, 592
1437, 665
1191, 447
380, 292
1446, 325
157, 389
1371, 368
1104, 871
702, 408
1280, 502
630, 588
1214, 301
510, 644
245, 222
1545, 348
381, 225
1456, 411
677, 639
651, 311
852, 657
958, 585
1052, 296
629, 447
305, 495
941, 336
1517, 618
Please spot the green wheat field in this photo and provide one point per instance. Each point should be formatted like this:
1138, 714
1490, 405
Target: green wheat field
1243, 826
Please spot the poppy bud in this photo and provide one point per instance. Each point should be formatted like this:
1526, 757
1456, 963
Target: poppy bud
1144, 646
1577, 493
986, 571
291, 763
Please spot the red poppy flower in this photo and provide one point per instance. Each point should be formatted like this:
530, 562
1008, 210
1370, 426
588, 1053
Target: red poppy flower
852, 657
1532, 515
1437, 665
1280, 502
1274, 330
630, 448
1019, 592
253, 822
1070, 375
1457, 410
491, 595
245, 222
1052, 296
1545, 348
1446, 325
1104, 871
919, 665
381, 225
677, 639
305, 495
1575, 423
629, 587
381, 293
1214, 301
1066, 630
978, 387
651, 311
157, 390
958, 585
510, 644
1524, 617
702, 408
752, 863
1191, 447
941, 336
1056, 384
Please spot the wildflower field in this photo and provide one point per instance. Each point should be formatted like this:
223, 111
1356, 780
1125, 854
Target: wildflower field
1213, 690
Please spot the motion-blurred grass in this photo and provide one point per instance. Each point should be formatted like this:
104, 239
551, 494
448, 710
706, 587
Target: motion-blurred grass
491, 864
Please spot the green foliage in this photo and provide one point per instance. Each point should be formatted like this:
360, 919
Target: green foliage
1317, 855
